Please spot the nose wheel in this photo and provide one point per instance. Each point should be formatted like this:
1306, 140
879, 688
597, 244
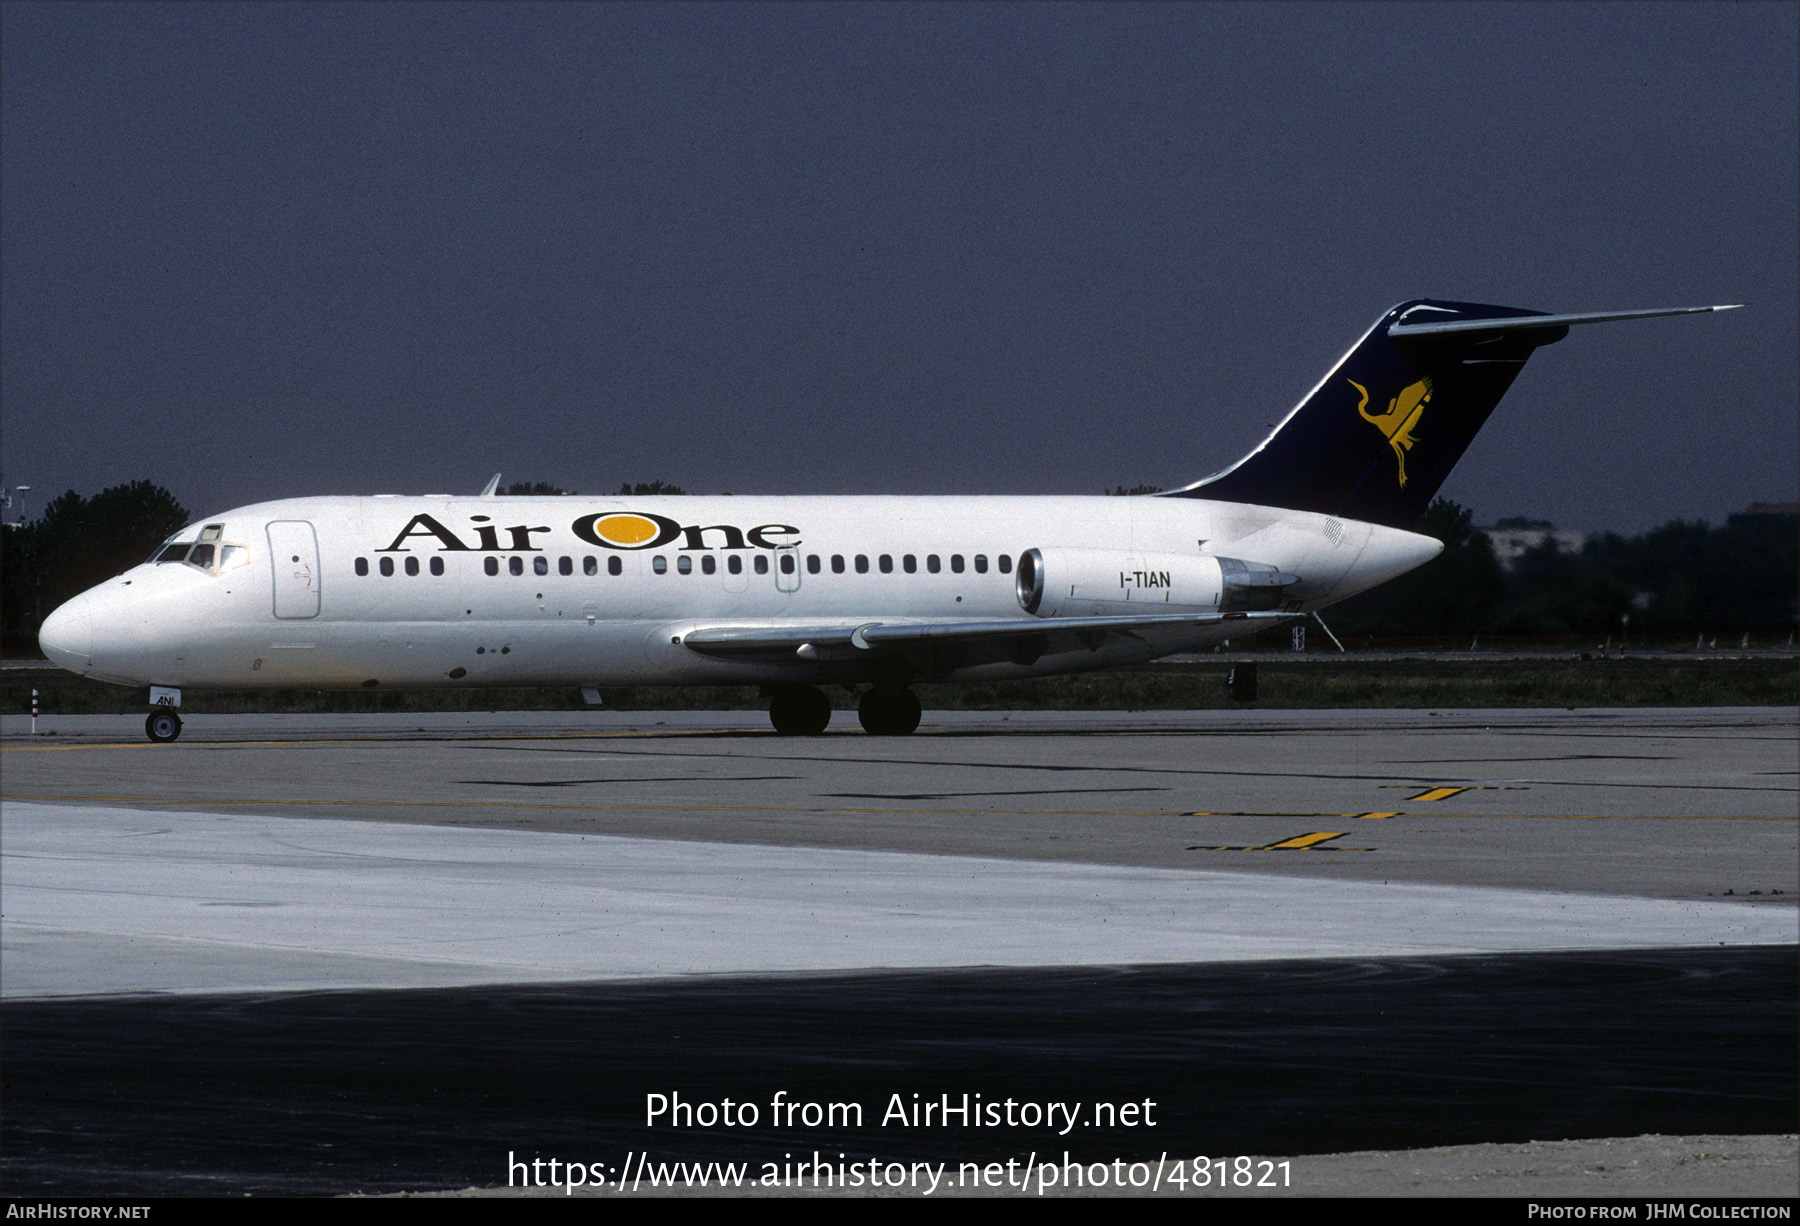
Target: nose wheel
163, 726
895, 714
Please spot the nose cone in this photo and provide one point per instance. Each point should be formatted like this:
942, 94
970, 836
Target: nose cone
67, 635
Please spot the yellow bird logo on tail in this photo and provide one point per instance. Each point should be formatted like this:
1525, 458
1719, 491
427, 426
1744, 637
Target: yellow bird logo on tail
1402, 415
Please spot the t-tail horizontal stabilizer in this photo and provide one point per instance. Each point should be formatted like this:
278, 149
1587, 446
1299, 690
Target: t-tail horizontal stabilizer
1375, 440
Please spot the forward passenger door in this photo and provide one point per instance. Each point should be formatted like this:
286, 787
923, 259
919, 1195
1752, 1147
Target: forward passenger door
294, 563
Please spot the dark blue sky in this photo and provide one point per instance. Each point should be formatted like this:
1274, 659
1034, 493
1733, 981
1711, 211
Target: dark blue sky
267, 250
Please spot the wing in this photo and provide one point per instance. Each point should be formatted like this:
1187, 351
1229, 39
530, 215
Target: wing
1022, 639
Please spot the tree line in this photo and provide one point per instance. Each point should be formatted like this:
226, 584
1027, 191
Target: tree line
76, 543
1682, 578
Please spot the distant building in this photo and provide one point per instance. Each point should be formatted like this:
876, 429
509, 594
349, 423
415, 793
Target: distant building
1758, 513
1514, 536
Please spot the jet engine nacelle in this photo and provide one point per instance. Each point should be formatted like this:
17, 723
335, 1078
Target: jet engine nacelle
1059, 582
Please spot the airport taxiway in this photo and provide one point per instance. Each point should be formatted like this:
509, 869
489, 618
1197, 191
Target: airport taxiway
1512, 918
295, 852
1677, 804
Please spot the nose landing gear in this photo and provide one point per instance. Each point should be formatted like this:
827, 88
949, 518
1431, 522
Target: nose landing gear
895, 714
163, 726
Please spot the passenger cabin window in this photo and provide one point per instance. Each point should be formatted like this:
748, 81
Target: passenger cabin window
1005, 564
812, 563
684, 564
387, 566
412, 565
491, 565
981, 563
362, 566
787, 564
708, 563
565, 566
734, 564
887, 563
932, 564
590, 565
909, 564
837, 563
761, 563
615, 565
437, 566
659, 564
956, 563
540, 566
862, 563
515, 565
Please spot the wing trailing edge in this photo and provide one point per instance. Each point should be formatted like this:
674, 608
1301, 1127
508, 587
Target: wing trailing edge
794, 639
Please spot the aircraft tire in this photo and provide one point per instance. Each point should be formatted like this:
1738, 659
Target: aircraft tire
889, 714
800, 710
162, 726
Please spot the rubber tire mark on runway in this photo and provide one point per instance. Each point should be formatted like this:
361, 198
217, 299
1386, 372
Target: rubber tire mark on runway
961, 795
572, 783
1010, 766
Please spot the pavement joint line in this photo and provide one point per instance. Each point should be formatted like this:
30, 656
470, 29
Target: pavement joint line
201, 804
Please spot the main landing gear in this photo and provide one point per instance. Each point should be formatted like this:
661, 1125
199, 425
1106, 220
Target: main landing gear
801, 710
163, 726
893, 714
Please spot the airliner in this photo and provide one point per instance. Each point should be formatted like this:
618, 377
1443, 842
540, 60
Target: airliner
794, 593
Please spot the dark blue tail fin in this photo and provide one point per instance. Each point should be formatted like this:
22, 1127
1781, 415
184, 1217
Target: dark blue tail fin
1376, 439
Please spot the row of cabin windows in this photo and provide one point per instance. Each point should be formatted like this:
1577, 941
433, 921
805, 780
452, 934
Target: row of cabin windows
387, 566
734, 564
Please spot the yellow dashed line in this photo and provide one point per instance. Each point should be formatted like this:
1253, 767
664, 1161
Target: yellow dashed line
1445, 793
1304, 840
1300, 842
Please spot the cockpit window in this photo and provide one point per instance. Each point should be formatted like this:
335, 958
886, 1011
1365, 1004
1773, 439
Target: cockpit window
211, 532
202, 556
174, 553
233, 556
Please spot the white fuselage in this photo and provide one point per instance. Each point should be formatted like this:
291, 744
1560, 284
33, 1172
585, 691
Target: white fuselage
522, 591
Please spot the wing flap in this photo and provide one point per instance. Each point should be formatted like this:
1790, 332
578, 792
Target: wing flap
804, 639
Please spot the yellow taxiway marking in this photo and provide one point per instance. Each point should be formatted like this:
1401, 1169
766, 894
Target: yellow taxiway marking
201, 803
1300, 842
1445, 793
1303, 840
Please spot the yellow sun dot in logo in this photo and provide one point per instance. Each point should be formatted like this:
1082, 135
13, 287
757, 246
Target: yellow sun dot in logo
625, 529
